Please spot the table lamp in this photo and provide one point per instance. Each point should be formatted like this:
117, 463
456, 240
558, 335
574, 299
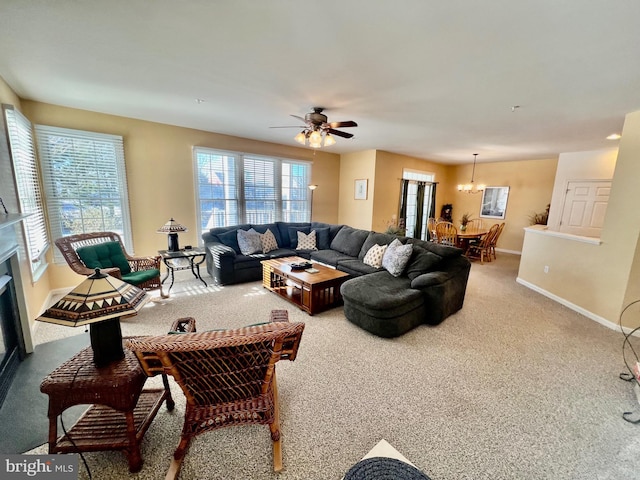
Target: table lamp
172, 228
99, 301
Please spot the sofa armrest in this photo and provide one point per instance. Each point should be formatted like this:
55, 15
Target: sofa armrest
429, 279
220, 250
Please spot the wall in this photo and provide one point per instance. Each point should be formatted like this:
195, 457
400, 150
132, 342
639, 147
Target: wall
356, 166
160, 173
531, 186
36, 294
597, 279
594, 165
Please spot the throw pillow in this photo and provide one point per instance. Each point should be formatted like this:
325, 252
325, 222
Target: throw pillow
306, 241
269, 242
422, 261
323, 238
293, 235
396, 257
230, 239
374, 256
249, 242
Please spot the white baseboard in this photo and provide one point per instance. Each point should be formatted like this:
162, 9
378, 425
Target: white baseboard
577, 308
513, 252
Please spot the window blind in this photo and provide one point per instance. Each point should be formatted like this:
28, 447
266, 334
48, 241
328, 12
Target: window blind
23, 156
85, 182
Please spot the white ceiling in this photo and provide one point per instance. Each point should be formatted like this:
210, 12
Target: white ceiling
430, 79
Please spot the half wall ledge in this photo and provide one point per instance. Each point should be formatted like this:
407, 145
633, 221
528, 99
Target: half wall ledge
544, 230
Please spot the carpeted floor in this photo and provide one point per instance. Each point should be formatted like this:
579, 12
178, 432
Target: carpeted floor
514, 386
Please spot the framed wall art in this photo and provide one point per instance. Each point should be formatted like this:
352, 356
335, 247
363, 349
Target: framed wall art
361, 189
494, 202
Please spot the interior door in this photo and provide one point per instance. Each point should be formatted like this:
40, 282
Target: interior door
584, 207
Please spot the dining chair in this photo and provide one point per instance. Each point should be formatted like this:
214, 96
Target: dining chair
494, 240
483, 248
431, 227
475, 224
228, 377
447, 233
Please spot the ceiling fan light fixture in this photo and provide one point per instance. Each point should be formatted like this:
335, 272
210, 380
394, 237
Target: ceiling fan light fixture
329, 140
301, 138
315, 139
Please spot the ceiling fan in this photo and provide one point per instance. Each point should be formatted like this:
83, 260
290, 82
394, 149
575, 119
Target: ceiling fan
316, 127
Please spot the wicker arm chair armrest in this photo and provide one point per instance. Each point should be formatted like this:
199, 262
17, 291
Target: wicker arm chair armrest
184, 325
144, 263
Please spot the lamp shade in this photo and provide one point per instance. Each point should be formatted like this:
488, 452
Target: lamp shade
172, 227
100, 297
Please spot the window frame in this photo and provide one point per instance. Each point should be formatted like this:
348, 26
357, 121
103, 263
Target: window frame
108, 159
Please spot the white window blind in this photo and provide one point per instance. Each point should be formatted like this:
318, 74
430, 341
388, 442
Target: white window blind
85, 182
25, 167
234, 188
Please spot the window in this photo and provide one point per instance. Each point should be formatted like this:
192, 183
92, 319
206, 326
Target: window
416, 227
235, 188
85, 182
25, 169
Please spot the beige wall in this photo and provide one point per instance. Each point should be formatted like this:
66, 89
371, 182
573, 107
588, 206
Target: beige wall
530, 188
596, 278
160, 173
357, 166
35, 294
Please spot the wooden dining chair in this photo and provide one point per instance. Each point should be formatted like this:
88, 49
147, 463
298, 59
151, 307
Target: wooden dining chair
431, 227
447, 233
494, 240
475, 224
483, 248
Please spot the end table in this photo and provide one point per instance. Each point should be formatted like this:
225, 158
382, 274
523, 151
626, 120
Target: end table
120, 413
189, 259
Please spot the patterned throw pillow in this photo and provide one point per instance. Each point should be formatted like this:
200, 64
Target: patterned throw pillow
249, 242
306, 241
374, 255
396, 257
269, 242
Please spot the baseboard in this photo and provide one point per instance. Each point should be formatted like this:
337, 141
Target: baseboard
58, 292
512, 252
577, 308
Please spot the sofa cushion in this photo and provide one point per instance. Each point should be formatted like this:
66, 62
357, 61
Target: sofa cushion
249, 241
104, 255
306, 241
374, 256
382, 293
349, 241
355, 267
293, 235
323, 238
375, 238
396, 257
333, 229
445, 251
330, 257
268, 241
421, 261
230, 239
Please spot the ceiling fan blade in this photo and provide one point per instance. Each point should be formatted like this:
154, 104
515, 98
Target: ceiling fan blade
291, 126
349, 123
299, 118
339, 133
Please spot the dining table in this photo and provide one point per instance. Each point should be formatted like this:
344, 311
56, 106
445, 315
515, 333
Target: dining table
470, 233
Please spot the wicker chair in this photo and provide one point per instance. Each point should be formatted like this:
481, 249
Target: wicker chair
447, 233
483, 248
228, 376
70, 244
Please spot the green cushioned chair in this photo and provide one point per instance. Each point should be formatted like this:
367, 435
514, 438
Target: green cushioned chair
104, 250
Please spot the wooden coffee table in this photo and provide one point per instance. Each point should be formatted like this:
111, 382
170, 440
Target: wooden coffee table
312, 292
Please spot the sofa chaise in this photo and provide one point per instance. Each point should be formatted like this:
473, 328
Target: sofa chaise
429, 286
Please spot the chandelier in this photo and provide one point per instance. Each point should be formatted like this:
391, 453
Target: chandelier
315, 138
471, 187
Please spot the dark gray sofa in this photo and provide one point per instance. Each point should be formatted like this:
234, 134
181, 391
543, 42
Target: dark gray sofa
431, 287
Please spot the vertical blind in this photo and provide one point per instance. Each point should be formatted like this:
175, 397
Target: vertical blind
23, 156
85, 182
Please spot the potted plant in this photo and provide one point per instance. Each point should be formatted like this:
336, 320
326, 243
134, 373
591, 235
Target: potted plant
464, 220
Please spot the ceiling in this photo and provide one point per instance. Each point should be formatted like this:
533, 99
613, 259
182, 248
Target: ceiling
431, 79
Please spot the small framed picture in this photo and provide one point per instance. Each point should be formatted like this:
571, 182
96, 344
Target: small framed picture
494, 202
361, 189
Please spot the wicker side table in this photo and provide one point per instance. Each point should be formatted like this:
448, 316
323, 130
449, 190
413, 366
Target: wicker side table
120, 413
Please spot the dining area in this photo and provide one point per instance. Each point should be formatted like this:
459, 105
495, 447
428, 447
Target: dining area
477, 238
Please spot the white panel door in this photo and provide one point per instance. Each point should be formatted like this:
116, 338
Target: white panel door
584, 207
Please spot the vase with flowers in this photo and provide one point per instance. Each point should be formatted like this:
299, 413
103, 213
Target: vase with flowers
464, 220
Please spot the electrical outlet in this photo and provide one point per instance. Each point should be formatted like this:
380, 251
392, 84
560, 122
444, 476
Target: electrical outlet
546, 269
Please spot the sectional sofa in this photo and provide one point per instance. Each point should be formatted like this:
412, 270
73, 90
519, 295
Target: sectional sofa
428, 288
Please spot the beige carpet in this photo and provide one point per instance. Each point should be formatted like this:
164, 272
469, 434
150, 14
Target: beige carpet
514, 386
